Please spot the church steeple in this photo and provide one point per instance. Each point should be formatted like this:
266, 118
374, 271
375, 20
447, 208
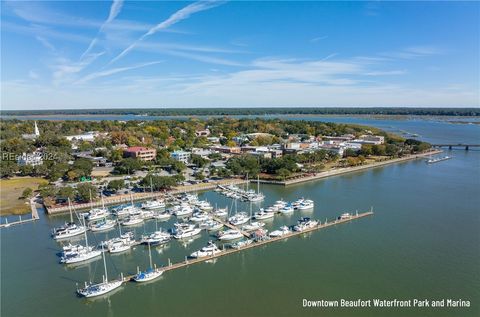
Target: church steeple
37, 132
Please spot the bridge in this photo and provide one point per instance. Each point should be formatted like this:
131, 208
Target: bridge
456, 145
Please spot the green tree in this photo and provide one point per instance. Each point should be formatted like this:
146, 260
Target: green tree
86, 192
116, 184
66, 192
283, 173
27, 193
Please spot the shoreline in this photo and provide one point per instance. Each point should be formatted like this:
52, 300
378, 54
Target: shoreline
352, 169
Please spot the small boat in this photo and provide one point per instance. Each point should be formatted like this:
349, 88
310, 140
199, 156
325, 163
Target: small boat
255, 225
121, 245
92, 290
209, 250
183, 210
127, 211
239, 218
69, 229
185, 230
229, 235
147, 214
132, 221
279, 204
200, 216
97, 214
284, 230
241, 244
438, 159
149, 274
204, 205
345, 216
71, 249
304, 224
263, 214
153, 205
162, 216
306, 205
286, 209
82, 255
212, 225
104, 225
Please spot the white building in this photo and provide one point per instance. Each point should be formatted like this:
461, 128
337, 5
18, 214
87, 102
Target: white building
370, 139
32, 159
181, 156
88, 136
36, 133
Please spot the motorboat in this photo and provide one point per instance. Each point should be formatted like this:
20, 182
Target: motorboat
230, 234
132, 221
183, 210
123, 236
279, 204
239, 218
153, 205
121, 245
147, 214
212, 225
286, 209
103, 225
263, 214
255, 225
97, 214
306, 205
283, 231
162, 216
209, 250
304, 224
345, 216
82, 255
156, 238
185, 230
127, 211
92, 290
200, 216
68, 230
241, 244
71, 249
149, 274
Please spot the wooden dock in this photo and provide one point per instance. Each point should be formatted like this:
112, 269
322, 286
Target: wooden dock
20, 221
225, 252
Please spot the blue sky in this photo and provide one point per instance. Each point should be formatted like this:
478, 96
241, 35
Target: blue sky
105, 54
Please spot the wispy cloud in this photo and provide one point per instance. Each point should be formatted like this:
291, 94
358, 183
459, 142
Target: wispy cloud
318, 38
415, 52
115, 9
178, 16
65, 68
113, 71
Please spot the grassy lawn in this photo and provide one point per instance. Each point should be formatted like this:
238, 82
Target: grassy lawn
11, 190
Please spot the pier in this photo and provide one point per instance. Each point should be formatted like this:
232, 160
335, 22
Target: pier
326, 224
458, 145
34, 216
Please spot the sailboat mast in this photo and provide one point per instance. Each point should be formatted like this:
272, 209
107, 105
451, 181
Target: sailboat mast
86, 239
151, 184
258, 184
150, 255
70, 208
103, 203
105, 266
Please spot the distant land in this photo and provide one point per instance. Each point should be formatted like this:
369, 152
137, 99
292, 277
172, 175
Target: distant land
252, 111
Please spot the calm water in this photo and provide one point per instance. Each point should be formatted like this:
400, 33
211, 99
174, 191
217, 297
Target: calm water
422, 242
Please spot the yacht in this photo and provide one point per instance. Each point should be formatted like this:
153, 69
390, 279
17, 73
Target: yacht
438, 159
284, 230
123, 236
209, 250
83, 254
147, 214
185, 230
162, 215
69, 229
252, 226
263, 214
71, 249
92, 290
200, 216
306, 205
97, 214
183, 210
103, 225
127, 211
121, 244
156, 238
149, 274
153, 205
132, 221
304, 224
204, 205
279, 204
212, 225
229, 235
239, 218
221, 212
286, 209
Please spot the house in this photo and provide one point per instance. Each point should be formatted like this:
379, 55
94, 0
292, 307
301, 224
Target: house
370, 139
226, 149
205, 132
140, 152
88, 136
32, 159
181, 156
202, 152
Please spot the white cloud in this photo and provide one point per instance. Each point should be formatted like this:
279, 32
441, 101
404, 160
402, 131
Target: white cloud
318, 38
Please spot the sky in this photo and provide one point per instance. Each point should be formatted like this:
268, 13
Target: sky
126, 54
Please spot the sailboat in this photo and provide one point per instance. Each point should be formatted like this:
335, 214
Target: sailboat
69, 229
92, 290
83, 255
151, 273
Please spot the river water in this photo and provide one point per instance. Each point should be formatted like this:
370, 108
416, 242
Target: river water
422, 242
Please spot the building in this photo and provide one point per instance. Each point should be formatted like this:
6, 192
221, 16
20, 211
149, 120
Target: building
181, 156
141, 153
202, 152
205, 132
88, 136
36, 133
32, 159
226, 149
370, 139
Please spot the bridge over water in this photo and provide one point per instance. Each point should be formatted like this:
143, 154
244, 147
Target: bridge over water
456, 145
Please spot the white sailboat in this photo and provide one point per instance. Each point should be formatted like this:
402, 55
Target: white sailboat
69, 229
150, 274
92, 290
83, 255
